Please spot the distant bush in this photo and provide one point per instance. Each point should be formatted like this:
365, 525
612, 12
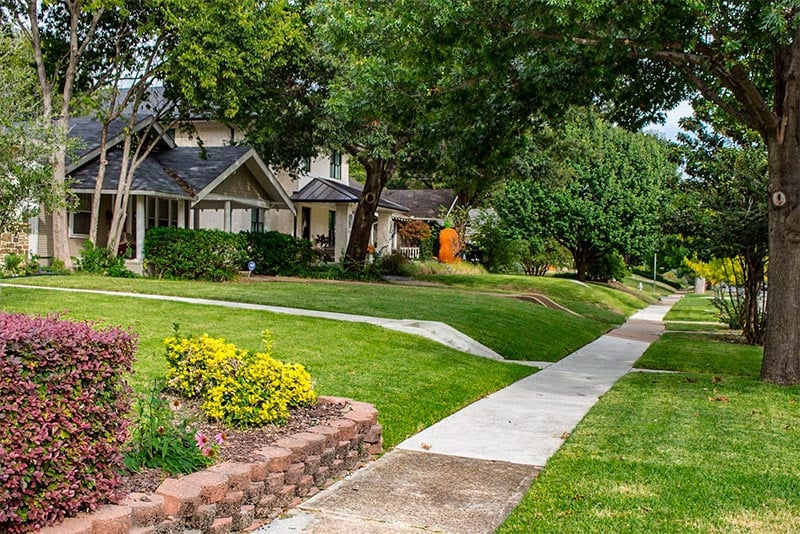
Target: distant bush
237, 386
436, 267
279, 254
396, 264
610, 266
63, 404
194, 254
669, 278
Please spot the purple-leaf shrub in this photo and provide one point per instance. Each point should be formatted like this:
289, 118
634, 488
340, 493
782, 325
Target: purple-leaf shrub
63, 418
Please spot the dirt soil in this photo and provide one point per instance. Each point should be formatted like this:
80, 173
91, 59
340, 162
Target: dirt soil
241, 443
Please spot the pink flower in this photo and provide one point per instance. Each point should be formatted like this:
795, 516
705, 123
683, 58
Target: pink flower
220, 438
201, 439
209, 452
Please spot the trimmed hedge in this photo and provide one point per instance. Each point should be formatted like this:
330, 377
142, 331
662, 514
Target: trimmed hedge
279, 254
194, 254
63, 408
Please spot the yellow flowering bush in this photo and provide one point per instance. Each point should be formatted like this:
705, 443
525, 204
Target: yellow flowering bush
239, 387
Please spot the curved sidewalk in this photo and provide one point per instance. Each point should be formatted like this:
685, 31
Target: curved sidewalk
433, 330
465, 473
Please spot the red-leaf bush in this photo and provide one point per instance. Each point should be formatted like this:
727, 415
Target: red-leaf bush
63, 418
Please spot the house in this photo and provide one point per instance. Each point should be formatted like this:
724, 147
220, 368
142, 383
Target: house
182, 186
427, 205
224, 185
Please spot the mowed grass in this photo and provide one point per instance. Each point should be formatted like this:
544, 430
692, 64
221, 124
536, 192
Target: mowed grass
599, 302
707, 449
674, 453
516, 329
694, 308
412, 381
719, 353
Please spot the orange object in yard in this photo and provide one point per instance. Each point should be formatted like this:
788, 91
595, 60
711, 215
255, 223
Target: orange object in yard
448, 245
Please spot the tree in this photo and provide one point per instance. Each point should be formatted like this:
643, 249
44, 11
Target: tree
722, 207
598, 190
61, 35
641, 58
26, 142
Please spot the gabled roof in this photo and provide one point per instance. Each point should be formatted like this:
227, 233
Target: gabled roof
189, 173
88, 132
422, 203
324, 190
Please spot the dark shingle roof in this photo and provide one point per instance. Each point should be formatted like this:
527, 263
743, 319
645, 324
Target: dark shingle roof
422, 203
323, 190
159, 170
87, 131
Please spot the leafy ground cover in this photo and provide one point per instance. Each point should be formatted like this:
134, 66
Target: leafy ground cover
516, 329
706, 449
412, 381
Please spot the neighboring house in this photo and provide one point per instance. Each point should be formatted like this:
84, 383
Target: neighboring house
326, 207
427, 205
182, 186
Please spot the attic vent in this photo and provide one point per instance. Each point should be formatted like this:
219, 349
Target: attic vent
186, 186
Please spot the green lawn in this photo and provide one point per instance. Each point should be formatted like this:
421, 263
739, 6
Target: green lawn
516, 329
720, 353
708, 449
412, 381
694, 308
674, 453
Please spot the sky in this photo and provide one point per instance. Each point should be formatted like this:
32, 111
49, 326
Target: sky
670, 128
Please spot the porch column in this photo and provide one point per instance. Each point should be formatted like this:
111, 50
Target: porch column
195, 223
140, 227
181, 214
342, 231
227, 222
33, 236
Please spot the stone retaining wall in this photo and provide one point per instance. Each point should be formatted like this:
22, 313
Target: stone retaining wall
240, 497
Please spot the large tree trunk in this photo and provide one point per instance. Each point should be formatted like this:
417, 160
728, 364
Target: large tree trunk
781, 362
379, 171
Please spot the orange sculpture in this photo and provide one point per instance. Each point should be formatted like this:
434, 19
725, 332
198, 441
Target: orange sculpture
449, 245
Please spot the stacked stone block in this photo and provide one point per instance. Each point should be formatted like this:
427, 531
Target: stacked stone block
240, 497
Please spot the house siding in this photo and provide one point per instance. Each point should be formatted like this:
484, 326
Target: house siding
242, 184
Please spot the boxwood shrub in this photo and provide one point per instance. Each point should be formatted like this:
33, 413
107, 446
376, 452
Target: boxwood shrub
279, 254
63, 404
194, 254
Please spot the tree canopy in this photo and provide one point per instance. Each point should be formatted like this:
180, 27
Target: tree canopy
597, 189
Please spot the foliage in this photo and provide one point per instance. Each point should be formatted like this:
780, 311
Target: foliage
99, 260
63, 401
239, 387
544, 254
494, 247
669, 277
396, 264
279, 254
415, 232
13, 265
194, 254
610, 266
26, 142
162, 437
600, 189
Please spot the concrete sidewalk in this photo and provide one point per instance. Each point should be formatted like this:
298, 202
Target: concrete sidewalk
433, 330
466, 473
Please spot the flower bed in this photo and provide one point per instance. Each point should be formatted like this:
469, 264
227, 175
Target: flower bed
240, 496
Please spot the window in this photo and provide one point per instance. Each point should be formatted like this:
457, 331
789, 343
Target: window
161, 212
305, 165
256, 220
331, 228
80, 219
306, 222
336, 165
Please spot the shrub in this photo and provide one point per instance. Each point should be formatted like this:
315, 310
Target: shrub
610, 266
63, 403
162, 437
194, 254
13, 265
99, 260
279, 254
239, 387
396, 264
415, 232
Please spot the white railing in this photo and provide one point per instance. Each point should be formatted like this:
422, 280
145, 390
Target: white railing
410, 252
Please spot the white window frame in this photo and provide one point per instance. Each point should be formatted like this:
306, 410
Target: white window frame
72, 214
